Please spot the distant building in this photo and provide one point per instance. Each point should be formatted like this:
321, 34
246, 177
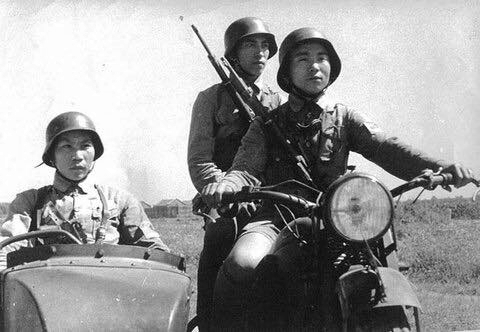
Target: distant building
170, 208
166, 208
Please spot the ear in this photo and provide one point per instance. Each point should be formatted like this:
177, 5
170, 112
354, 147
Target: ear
52, 159
91, 167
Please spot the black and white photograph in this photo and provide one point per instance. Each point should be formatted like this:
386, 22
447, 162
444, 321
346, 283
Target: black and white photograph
240, 165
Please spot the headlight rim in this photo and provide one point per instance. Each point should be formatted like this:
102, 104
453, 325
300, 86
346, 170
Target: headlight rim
327, 200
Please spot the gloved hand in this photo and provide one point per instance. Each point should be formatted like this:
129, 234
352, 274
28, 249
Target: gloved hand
461, 175
213, 193
198, 206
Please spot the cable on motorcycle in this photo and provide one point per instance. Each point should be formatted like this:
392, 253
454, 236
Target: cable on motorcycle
475, 194
418, 196
398, 201
295, 235
301, 184
292, 215
375, 264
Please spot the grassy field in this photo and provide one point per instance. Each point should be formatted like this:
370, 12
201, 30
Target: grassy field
444, 259
445, 267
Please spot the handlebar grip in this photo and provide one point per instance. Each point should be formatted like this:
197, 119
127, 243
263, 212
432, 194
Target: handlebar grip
229, 197
442, 179
447, 178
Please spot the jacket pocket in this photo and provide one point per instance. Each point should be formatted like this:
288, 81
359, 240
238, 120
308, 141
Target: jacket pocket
332, 141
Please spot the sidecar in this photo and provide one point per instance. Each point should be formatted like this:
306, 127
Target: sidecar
81, 287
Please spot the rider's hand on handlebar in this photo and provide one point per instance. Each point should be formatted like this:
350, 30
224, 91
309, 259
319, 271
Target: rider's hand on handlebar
461, 175
213, 193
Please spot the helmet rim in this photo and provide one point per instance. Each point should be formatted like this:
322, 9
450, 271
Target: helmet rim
293, 40
246, 27
67, 122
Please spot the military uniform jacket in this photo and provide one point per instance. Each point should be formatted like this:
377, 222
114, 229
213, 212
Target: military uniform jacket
325, 132
64, 204
216, 130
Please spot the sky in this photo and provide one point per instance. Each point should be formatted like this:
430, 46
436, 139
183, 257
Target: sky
135, 67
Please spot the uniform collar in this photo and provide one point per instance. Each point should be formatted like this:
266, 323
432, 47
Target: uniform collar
297, 103
63, 185
257, 86
259, 83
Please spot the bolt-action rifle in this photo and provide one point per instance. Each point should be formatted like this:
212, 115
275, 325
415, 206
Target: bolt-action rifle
249, 107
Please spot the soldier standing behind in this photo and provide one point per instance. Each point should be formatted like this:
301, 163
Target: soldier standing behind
216, 130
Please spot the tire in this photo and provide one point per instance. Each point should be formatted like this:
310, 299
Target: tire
192, 324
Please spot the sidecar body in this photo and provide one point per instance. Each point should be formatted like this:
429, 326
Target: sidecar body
73, 287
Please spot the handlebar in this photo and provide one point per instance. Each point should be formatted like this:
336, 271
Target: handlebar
427, 181
248, 194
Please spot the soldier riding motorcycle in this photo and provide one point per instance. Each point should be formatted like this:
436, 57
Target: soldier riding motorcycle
334, 270
318, 135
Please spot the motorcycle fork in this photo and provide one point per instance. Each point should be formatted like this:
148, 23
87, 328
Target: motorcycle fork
321, 307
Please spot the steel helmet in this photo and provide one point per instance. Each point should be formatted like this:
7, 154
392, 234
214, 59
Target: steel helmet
245, 27
292, 40
66, 122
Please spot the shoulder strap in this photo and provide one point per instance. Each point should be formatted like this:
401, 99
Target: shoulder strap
101, 230
42, 194
219, 93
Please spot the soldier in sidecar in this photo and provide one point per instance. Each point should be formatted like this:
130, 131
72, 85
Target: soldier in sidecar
91, 284
74, 202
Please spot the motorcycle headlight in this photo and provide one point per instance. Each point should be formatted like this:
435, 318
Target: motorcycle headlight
358, 207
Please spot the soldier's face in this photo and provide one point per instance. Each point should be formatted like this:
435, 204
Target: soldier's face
310, 67
74, 154
252, 54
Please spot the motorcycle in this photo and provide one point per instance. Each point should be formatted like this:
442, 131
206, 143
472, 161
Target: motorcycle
65, 285
335, 270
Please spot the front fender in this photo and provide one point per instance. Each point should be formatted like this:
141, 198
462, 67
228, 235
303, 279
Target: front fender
356, 289
398, 290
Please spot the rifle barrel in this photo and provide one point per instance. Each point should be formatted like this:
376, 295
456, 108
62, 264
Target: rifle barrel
194, 28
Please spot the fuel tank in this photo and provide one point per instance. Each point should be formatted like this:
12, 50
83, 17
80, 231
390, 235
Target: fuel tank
70, 287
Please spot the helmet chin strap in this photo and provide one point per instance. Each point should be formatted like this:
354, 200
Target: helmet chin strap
305, 95
242, 72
